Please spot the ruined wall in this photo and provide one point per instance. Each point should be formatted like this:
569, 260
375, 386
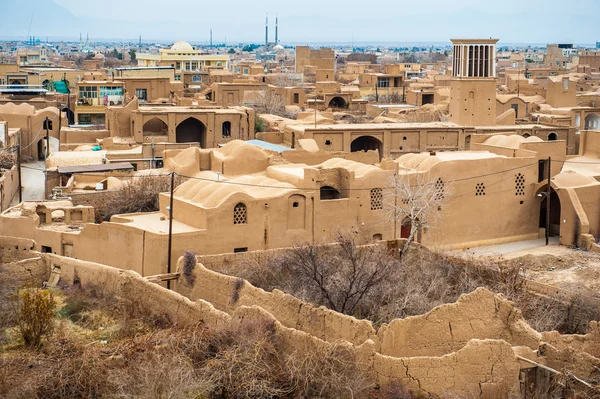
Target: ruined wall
223, 292
487, 369
9, 187
482, 369
447, 328
13, 249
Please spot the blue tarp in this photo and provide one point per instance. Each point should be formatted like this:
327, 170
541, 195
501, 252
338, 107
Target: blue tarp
269, 146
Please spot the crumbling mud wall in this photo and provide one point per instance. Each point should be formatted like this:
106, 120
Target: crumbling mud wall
134, 288
229, 293
589, 343
481, 369
489, 365
447, 328
24, 273
15, 249
436, 354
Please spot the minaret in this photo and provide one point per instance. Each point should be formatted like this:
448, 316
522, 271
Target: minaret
211, 38
267, 30
276, 30
473, 83
80, 42
140, 43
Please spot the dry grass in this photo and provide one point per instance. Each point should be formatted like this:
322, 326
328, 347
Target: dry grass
104, 346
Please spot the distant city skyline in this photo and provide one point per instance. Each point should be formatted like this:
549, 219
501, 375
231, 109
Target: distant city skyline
312, 22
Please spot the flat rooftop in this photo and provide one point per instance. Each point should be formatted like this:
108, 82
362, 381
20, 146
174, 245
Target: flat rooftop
377, 126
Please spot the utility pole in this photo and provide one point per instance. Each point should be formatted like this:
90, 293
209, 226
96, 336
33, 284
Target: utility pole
519, 83
59, 126
548, 201
170, 229
19, 166
152, 162
46, 126
315, 104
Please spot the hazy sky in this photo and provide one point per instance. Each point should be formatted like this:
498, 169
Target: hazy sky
532, 21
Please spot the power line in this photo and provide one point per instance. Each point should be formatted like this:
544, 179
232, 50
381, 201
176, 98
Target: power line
348, 189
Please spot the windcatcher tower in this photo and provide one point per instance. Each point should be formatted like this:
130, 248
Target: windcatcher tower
473, 84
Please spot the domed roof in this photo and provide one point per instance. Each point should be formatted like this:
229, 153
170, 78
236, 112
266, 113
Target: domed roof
278, 48
99, 56
182, 46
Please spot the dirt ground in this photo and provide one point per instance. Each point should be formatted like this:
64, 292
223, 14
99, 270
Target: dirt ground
567, 268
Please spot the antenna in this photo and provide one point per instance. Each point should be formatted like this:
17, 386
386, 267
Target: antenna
29, 30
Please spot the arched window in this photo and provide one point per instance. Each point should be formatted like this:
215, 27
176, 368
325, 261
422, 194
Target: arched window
552, 136
240, 214
227, 129
197, 78
329, 193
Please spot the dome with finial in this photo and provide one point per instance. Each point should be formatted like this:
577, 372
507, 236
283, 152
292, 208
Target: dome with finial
279, 48
182, 46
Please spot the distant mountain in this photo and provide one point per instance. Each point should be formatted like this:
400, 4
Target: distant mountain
49, 19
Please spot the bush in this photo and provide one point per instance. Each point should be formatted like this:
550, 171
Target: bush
259, 125
139, 194
35, 315
189, 264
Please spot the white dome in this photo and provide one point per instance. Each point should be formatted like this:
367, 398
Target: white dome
278, 48
182, 46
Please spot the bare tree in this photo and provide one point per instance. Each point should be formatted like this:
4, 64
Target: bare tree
269, 102
341, 275
415, 200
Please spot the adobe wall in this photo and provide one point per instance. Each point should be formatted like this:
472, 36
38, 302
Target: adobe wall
24, 273
131, 285
219, 289
447, 328
483, 369
13, 249
486, 368
9, 187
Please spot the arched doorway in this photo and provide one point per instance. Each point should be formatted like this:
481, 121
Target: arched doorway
592, 121
155, 127
41, 146
366, 143
554, 211
552, 137
191, 130
337, 102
